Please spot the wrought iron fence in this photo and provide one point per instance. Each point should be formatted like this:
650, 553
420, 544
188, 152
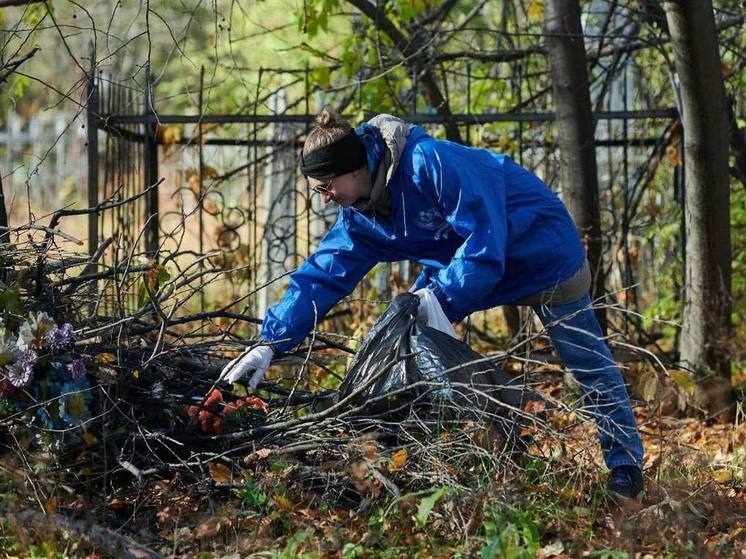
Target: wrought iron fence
239, 199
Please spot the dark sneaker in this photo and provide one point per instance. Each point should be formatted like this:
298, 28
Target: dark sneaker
625, 483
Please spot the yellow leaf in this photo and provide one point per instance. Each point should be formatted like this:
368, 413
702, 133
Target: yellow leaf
398, 459
722, 476
239, 390
684, 381
674, 157
283, 502
220, 473
136, 373
170, 134
106, 358
535, 9
89, 438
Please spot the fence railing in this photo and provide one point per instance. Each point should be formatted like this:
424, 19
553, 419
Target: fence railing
241, 195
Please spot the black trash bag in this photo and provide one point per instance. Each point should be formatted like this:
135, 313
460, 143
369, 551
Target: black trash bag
404, 366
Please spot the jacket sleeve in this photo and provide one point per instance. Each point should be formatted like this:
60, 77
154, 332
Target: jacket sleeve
468, 186
423, 278
327, 275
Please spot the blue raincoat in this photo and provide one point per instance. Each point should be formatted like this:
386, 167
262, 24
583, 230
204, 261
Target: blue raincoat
486, 231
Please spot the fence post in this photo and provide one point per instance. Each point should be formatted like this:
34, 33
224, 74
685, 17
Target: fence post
92, 120
151, 169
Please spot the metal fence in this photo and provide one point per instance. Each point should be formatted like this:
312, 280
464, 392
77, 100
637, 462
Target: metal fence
240, 193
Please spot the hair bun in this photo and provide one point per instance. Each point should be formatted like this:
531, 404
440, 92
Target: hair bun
328, 128
326, 118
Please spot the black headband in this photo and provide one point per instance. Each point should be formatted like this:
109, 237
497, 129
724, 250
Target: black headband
342, 156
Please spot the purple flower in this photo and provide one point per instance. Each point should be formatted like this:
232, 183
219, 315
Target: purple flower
27, 357
60, 338
77, 369
20, 372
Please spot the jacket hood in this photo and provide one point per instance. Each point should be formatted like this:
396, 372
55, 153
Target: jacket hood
392, 138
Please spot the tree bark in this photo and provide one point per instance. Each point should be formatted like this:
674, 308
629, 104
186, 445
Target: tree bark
706, 328
9, 3
575, 131
4, 233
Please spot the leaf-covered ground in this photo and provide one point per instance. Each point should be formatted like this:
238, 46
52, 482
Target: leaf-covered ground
552, 503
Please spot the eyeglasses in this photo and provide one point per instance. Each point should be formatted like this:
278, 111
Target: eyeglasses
322, 188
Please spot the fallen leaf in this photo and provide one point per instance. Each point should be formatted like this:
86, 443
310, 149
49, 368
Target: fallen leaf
220, 473
51, 505
427, 503
263, 452
207, 529
551, 550
106, 358
535, 406
722, 476
119, 504
166, 515
359, 469
398, 459
370, 450
283, 502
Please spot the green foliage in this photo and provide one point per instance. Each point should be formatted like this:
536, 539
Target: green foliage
512, 533
609, 554
278, 466
352, 551
427, 503
665, 236
252, 496
10, 302
11, 546
314, 16
151, 281
534, 471
293, 545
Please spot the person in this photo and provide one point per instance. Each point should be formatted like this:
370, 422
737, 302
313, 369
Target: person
487, 232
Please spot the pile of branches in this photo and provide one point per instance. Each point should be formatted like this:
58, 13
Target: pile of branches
156, 410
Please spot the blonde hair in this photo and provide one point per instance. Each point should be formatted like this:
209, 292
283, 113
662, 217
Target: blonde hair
328, 128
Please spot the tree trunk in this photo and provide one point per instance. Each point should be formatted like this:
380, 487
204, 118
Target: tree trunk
4, 232
575, 130
706, 328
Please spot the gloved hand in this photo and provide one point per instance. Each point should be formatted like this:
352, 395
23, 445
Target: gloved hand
432, 313
257, 358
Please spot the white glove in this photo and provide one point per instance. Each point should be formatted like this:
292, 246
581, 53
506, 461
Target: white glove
432, 313
258, 358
